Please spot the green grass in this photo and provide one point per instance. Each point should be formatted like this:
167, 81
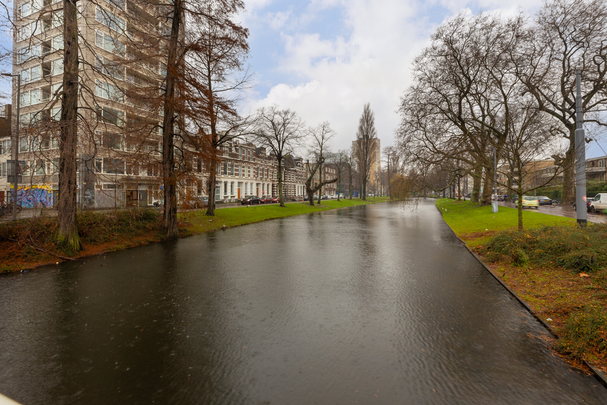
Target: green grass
198, 222
467, 219
558, 268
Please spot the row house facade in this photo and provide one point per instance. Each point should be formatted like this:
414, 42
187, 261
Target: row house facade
246, 170
329, 172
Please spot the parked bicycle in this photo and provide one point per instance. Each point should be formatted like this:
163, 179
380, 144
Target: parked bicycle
7, 209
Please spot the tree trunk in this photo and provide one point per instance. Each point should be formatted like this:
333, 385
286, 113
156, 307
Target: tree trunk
519, 190
459, 188
310, 197
280, 196
338, 180
212, 186
476, 185
488, 188
319, 181
168, 147
67, 230
569, 174
350, 182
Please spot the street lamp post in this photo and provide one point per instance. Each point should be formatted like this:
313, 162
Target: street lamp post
16, 145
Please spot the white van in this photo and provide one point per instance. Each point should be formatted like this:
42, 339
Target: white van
598, 203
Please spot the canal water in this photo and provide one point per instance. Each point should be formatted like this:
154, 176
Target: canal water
378, 304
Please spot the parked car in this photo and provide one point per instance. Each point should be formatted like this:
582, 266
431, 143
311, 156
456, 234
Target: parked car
544, 200
598, 203
276, 199
266, 199
198, 201
588, 202
324, 197
531, 201
502, 197
250, 200
341, 195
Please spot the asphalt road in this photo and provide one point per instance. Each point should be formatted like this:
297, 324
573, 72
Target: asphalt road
564, 211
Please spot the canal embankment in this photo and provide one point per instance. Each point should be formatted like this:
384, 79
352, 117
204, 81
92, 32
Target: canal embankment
555, 268
28, 243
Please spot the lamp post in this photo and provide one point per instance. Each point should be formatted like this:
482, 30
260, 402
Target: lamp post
16, 145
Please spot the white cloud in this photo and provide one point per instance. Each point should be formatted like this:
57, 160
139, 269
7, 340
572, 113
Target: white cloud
278, 20
332, 78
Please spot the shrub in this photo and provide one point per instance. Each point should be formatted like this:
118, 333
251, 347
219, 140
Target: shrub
585, 332
573, 248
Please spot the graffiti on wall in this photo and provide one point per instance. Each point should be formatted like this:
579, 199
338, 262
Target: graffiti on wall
35, 196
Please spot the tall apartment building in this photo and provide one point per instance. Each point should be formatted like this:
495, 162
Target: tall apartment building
5, 148
120, 113
119, 135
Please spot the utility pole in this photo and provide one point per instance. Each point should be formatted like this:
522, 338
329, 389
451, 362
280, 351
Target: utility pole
16, 168
580, 154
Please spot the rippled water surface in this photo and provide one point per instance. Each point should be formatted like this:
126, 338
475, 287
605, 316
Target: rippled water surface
376, 304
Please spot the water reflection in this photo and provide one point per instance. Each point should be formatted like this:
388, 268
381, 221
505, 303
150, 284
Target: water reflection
376, 303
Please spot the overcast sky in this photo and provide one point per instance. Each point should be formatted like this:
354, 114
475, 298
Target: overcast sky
326, 58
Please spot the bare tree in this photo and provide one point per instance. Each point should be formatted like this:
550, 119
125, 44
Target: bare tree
350, 161
366, 145
320, 137
567, 35
340, 160
218, 71
67, 230
313, 187
392, 156
280, 131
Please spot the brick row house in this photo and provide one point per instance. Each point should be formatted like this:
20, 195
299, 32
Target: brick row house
246, 170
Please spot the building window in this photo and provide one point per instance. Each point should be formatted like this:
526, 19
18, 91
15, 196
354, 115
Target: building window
107, 67
113, 166
110, 20
108, 91
104, 41
111, 116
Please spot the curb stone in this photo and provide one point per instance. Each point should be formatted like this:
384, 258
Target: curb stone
598, 374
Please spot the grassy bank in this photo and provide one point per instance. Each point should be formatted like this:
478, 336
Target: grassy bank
559, 269
197, 222
28, 243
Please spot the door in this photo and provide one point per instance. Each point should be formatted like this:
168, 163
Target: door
600, 201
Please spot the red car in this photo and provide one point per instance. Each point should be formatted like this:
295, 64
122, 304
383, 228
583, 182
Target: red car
266, 199
275, 199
